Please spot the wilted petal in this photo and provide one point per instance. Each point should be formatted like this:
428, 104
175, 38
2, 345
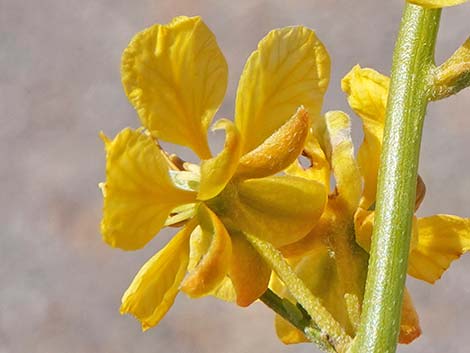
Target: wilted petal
138, 192
213, 266
216, 172
248, 271
154, 288
367, 92
441, 240
175, 76
291, 67
278, 151
409, 326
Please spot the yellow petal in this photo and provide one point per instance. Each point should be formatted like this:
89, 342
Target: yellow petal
138, 193
409, 326
363, 227
154, 288
347, 176
441, 240
291, 67
225, 291
175, 76
437, 3
248, 271
287, 333
213, 266
319, 168
216, 172
280, 209
367, 92
318, 271
278, 151
199, 243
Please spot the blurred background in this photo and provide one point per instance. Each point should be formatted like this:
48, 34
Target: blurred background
61, 285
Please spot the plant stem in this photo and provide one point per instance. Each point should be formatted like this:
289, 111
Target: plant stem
327, 324
408, 97
298, 318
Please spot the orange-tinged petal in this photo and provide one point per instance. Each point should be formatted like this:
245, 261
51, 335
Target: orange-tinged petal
200, 242
248, 271
217, 172
279, 209
154, 288
367, 92
346, 172
278, 151
420, 192
319, 168
175, 76
138, 192
291, 67
441, 240
213, 266
409, 326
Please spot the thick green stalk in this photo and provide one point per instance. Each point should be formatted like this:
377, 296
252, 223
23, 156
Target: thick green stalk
408, 97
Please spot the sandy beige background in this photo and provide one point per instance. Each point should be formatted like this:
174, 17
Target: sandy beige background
60, 286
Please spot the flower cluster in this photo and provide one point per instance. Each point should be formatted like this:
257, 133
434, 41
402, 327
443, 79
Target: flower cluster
175, 76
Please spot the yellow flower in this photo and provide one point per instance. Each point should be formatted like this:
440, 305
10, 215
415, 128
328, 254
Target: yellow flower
175, 76
332, 258
436, 240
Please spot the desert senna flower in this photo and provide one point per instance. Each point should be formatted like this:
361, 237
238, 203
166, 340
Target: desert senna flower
175, 76
436, 240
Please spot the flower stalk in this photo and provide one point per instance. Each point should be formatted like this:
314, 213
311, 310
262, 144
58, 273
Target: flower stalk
297, 317
329, 327
410, 90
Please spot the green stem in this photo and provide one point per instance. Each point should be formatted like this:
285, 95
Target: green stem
329, 327
408, 97
298, 318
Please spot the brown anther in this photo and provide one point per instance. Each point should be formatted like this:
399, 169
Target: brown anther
176, 161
